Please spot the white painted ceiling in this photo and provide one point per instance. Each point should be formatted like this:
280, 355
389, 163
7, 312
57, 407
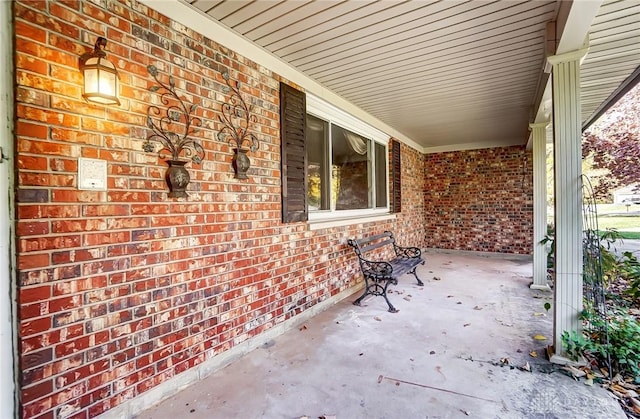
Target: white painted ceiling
447, 74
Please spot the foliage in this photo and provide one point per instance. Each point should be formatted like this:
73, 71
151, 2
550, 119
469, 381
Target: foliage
630, 269
617, 327
613, 144
550, 238
623, 332
607, 257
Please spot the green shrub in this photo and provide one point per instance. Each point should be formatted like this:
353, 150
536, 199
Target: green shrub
618, 327
624, 341
630, 270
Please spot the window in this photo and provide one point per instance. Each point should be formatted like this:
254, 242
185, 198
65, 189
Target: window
333, 166
346, 164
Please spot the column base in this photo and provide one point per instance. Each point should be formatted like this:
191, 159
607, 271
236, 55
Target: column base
563, 360
540, 287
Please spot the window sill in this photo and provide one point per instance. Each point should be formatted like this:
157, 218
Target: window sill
345, 221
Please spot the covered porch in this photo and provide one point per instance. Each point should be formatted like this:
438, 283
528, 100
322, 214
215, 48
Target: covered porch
122, 290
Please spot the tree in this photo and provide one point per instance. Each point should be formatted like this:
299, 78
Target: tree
612, 143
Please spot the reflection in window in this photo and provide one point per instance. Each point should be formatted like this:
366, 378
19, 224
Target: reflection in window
350, 159
317, 142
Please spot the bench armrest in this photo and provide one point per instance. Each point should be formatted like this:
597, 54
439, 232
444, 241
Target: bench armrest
376, 269
407, 252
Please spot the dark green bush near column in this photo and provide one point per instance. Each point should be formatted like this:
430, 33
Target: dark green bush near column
630, 269
618, 327
624, 341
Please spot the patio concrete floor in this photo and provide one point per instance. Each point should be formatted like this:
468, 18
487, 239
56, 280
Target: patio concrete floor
438, 357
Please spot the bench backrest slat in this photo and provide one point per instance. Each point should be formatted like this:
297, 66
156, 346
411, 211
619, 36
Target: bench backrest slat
370, 243
363, 241
365, 249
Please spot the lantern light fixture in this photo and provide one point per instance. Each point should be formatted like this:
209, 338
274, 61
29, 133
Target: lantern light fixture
100, 76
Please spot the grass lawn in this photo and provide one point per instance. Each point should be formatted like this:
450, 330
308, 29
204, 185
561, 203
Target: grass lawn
625, 219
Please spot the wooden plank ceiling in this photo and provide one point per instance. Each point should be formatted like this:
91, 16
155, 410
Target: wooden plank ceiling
447, 74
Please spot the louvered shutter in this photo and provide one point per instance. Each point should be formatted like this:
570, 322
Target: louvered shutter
294, 156
396, 169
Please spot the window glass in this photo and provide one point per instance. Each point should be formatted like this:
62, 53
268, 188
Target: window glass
346, 171
317, 143
350, 169
381, 175
347, 164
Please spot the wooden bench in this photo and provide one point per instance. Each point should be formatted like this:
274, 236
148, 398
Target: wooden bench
379, 274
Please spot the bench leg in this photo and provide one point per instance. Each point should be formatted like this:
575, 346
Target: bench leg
413, 271
364, 294
392, 309
377, 289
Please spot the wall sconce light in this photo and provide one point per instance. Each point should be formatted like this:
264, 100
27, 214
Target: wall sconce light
100, 76
236, 118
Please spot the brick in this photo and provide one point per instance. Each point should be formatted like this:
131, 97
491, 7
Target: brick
73, 196
32, 195
27, 129
105, 210
27, 228
48, 243
31, 65
58, 164
37, 391
32, 163
81, 225
75, 136
45, 116
35, 359
76, 255
33, 261
38, 409
105, 238
33, 294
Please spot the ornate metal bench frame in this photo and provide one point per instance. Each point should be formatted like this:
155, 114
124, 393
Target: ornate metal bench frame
378, 275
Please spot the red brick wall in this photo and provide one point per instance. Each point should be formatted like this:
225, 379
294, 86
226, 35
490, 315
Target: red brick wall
120, 290
411, 219
480, 200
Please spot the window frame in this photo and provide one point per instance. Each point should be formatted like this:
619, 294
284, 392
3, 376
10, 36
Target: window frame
334, 115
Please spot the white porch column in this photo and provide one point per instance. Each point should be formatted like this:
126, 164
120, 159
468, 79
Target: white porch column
539, 140
568, 196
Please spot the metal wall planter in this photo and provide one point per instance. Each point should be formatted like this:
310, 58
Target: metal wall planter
236, 119
172, 129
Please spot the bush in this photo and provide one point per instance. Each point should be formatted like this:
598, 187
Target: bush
617, 327
624, 341
630, 270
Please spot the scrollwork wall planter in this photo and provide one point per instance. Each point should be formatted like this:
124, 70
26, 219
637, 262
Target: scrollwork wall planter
177, 178
241, 162
173, 130
236, 119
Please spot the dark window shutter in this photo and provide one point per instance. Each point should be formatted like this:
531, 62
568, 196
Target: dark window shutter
396, 174
293, 119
